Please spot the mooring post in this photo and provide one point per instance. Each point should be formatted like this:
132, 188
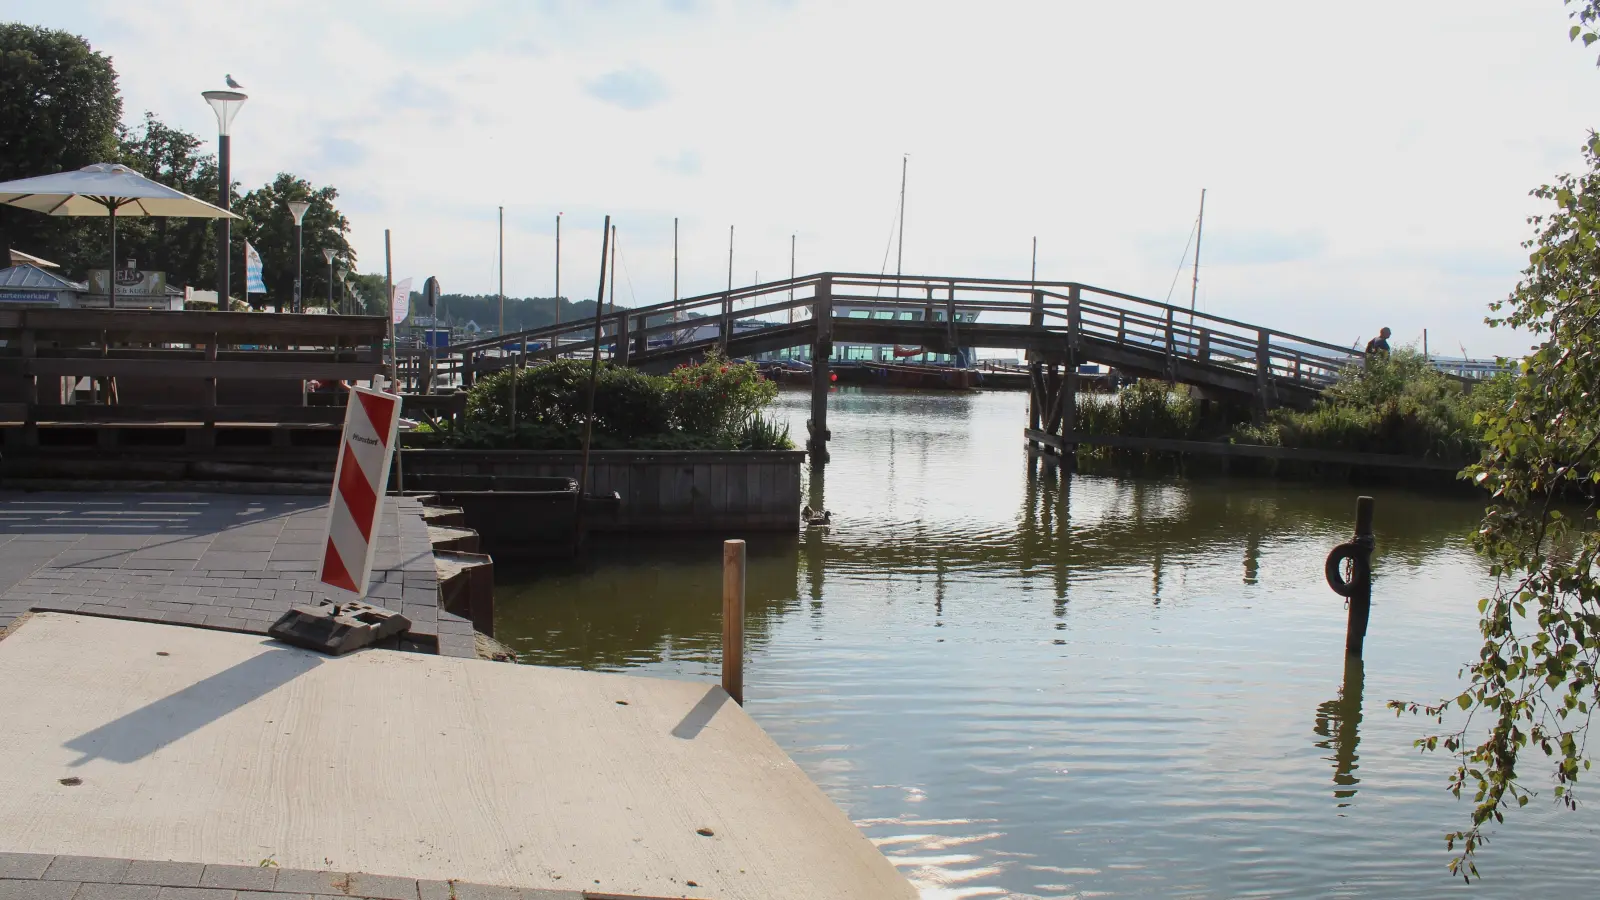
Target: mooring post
1358, 587
733, 620
821, 378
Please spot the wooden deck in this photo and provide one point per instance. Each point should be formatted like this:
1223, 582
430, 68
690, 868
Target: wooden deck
208, 747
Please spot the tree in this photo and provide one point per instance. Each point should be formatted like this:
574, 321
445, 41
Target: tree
269, 228
59, 110
183, 248
1536, 676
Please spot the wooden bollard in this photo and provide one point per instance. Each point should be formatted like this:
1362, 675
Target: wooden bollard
1358, 589
733, 620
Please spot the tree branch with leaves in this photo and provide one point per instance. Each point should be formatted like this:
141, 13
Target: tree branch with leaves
1535, 679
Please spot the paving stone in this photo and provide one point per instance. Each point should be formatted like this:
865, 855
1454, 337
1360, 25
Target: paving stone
87, 868
382, 887
38, 890
253, 878
24, 865
173, 874
188, 893
117, 892
305, 881
263, 895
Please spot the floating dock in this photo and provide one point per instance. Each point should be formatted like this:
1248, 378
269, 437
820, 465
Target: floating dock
139, 744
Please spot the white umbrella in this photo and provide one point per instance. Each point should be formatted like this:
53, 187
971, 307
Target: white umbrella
105, 189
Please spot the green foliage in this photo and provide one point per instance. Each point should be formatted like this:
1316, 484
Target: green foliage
59, 110
183, 248
1399, 405
1146, 409
1534, 680
269, 228
714, 405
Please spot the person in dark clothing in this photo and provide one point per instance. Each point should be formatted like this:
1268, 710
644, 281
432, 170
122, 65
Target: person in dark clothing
1379, 346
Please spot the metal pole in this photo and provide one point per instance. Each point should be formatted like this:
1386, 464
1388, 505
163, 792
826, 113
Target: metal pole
614, 254
388, 291
111, 274
224, 228
1200, 227
727, 300
299, 259
502, 256
791, 278
733, 568
900, 242
674, 261
594, 374
1033, 272
556, 338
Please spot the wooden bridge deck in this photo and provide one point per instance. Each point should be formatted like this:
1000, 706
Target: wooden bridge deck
1059, 325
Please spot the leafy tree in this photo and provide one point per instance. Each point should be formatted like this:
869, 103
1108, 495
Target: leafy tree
269, 228
1535, 678
59, 110
183, 248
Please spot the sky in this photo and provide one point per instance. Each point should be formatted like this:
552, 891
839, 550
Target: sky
1365, 163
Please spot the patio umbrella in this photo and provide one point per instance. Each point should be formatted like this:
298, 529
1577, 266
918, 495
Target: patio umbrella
105, 189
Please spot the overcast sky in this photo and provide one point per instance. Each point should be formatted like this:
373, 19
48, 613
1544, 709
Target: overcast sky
1367, 163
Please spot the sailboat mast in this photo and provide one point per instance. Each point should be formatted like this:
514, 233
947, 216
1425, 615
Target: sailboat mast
900, 242
502, 255
1194, 289
556, 338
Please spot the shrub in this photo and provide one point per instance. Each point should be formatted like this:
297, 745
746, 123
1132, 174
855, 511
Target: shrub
713, 405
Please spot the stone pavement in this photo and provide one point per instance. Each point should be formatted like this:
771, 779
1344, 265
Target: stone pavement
221, 561
32, 876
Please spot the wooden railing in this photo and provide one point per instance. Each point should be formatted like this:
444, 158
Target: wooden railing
1172, 339
160, 366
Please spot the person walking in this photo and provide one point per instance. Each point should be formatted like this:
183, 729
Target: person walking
1379, 346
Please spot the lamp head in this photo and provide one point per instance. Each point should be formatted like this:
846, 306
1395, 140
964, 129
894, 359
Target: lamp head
226, 105
297, 208
328, 253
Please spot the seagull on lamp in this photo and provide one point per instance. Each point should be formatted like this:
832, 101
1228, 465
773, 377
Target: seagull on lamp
233, 84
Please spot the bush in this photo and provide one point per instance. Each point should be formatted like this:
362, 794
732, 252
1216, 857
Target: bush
713, 405
1400, 405
1145, 409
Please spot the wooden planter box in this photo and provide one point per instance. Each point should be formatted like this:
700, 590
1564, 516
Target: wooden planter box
659, 490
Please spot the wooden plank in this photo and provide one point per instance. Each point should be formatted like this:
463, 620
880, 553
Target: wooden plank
702, 490
161, 368
120, 413
1217, 448
717, 493
738, 500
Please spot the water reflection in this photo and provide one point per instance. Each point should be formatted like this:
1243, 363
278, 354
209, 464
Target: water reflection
1025, 682
1339, 724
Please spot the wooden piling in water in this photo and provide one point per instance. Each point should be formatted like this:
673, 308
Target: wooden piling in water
821, 351
1358, 588
733, 619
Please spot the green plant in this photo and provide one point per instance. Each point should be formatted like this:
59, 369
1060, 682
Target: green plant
761, 433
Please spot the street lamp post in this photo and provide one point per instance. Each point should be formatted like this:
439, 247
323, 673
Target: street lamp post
328, 254
226, 105
297, 208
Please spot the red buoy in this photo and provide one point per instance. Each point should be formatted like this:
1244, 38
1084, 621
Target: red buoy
833, 376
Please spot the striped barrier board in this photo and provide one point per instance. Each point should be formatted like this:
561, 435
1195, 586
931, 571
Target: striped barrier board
371, 421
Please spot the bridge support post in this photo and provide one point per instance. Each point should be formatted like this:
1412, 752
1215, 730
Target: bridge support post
1263, 372
1069, 411
1036, 396
821, 377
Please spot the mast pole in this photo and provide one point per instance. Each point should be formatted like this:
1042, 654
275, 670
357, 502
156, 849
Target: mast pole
502, 256
554, 338
791, 278
900, 241
1194, 289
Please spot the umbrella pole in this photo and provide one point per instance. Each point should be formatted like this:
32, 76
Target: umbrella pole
111, 273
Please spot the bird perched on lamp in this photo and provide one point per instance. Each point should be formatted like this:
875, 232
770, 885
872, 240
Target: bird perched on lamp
233, 84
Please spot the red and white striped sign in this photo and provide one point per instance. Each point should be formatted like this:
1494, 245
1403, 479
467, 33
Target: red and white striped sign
359, 485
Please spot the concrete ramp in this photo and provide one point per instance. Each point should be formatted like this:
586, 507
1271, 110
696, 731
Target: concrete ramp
211, 747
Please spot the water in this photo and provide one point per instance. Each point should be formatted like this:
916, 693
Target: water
1025, 685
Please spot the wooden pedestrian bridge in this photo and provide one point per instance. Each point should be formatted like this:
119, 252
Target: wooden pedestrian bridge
1058, 325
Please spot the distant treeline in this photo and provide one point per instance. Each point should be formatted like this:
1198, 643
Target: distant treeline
522, 313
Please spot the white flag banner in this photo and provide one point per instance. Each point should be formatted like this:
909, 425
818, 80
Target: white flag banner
400, 303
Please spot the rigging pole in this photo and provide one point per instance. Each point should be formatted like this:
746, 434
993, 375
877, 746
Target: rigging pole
1194, 289
900, 241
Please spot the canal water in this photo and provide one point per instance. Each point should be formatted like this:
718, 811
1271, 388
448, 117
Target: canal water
1024, 684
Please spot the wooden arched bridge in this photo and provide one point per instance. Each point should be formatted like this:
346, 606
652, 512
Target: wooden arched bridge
1058, 325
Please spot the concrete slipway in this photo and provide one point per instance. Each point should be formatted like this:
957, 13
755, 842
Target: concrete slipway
209, 747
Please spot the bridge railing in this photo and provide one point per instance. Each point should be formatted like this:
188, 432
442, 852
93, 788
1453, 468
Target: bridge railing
1171, 336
